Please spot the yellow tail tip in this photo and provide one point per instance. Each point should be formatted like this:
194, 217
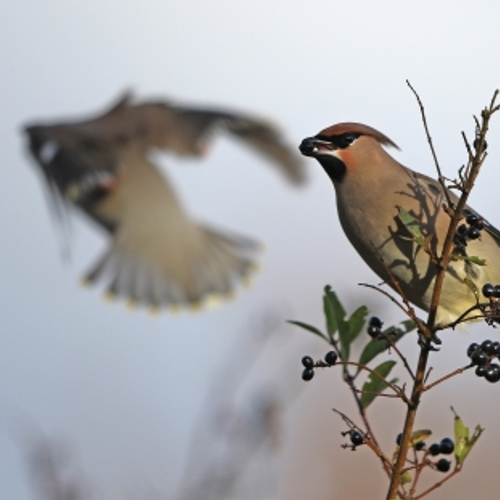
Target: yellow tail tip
196, 306
213, 301
131, 304
154, 310
109, 296
85, 282
174, 309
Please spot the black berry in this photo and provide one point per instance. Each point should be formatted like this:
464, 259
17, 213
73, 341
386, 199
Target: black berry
496, 291
307, 374
495, 349
331, 358
357, 438
373, 331
473, 347
472, 219
462, 230
488, 290
446, 446
460, 240
308, 362
375, 321
399, 437
481, 370
486, 347
479, 358
420, 445
434, 449
443, 465
492, 373
473, 233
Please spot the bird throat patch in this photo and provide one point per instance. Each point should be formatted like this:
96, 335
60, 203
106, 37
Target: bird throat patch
333, 166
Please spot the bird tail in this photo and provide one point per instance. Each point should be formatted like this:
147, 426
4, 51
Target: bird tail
177, 274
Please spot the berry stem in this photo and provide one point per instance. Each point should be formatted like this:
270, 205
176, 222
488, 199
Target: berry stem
458, 371
438, 484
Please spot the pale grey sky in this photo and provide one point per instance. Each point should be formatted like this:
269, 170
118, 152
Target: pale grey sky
121, 385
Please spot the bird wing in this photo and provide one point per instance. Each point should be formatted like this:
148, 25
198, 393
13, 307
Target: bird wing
184, 131
158, 255
198, 126
468, 210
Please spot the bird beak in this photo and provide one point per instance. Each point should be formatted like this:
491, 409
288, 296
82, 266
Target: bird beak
312, 146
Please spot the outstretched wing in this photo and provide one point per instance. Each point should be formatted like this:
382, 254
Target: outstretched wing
185, 131
195, 128
159, 256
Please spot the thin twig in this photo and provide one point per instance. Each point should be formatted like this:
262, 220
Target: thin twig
458, 371
381, 394
368, 439
431, 145
438, 484
394, 388
418, 471
393, 346
387, 294
349, 379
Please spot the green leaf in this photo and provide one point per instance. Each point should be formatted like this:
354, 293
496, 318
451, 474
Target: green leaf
375, 347
475, 260
310, 328
335, 320
375, 385
339, 309
420, 435
356, 323
472, 287
463, 441
331, 324
412, 225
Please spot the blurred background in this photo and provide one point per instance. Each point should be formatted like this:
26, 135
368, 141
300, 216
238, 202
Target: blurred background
119, 404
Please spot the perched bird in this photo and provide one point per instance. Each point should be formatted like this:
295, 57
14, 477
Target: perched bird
377, 200
158, 255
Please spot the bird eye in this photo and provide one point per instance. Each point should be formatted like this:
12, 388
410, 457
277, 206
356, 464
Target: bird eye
347, 139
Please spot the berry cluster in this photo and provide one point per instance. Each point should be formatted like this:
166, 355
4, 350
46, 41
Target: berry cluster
374, 327
445, 447
469, 231
308, 373
481, 357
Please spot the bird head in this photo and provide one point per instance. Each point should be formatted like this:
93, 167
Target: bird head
344, 146
82, 170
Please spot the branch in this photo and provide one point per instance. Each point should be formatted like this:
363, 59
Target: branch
458, 371
472, 171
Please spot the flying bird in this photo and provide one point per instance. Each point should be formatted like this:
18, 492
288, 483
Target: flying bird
158, 254
375, 193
